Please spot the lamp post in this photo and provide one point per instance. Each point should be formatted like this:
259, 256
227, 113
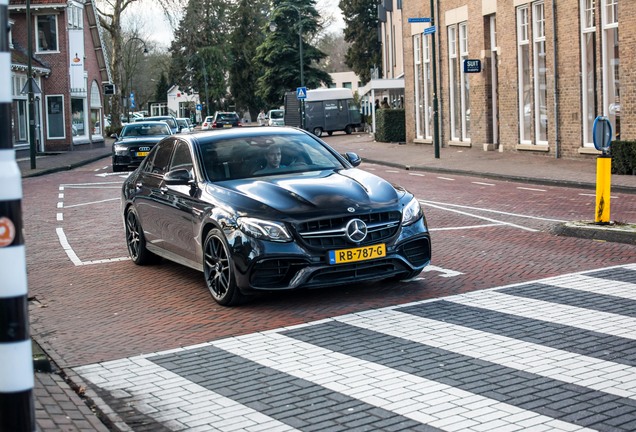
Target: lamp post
134, 38
272, 27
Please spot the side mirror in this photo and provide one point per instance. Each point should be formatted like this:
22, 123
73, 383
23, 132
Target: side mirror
114, 136
353, 158
178, 177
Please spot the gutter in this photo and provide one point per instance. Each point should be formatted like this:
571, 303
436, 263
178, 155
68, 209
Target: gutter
557, 140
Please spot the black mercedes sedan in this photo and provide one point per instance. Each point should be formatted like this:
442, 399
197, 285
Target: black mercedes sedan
135, 141
270, 208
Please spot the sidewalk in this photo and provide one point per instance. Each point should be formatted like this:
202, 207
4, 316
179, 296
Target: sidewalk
59, 407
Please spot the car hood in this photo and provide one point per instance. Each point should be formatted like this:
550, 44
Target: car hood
152, 139
311, 193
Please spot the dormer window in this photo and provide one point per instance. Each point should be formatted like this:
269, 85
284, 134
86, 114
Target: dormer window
46, 31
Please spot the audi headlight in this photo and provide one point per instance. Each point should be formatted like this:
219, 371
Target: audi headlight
412, 212
263, 229
120, 149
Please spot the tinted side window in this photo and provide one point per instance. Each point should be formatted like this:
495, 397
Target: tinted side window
161, 161
181, 158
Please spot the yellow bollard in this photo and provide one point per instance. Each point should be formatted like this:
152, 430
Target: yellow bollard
603, 183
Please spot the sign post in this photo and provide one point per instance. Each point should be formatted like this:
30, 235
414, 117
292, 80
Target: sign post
17, 409
602, 135
301, 95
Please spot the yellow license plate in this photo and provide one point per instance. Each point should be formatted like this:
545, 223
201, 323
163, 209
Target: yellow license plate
142, 154
343, 256
227, 125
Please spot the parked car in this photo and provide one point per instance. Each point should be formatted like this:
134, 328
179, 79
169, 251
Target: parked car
170, 120
135, 141
184, 125
225, 120
318, 221
207, 123
276, 117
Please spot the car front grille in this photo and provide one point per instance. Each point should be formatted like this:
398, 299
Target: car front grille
356, 272
329, 233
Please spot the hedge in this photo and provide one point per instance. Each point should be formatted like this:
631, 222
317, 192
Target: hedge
390, 125
623, 155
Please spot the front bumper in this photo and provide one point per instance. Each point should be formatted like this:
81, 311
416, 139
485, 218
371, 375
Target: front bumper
264, 265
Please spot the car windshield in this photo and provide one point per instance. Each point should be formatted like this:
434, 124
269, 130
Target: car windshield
182, 123
225, 117
276, 114
247, 157
140, 129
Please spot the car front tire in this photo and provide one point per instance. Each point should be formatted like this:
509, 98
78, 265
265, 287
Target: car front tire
136, 241
218, 269
318, 131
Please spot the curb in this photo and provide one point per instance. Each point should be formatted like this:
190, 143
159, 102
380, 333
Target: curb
588, 230
64, 167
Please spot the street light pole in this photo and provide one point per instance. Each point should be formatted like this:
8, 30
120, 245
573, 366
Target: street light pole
134, 38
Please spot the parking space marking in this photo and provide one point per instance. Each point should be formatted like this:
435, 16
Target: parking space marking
67, 247
91, 203
446, 273
483, 184
531, 189
429, 203
446, 178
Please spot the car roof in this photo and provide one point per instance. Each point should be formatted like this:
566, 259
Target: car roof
148, 122
245, 133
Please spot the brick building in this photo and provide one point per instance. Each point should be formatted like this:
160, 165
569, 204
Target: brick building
69, 67
548, 69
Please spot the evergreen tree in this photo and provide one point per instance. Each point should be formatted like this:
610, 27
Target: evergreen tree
200, 51
161, 92
361, 24
279, 54
249, 20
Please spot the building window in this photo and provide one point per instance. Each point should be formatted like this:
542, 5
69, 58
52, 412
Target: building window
46, 29
541, 83
75, 16
525, 85
78, 111
55, 116
588, 69
611, 64
459, 84
423, 86
419, 86
347, 85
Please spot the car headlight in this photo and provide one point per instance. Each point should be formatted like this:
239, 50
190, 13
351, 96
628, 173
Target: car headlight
412, 212
263, 229
120, 149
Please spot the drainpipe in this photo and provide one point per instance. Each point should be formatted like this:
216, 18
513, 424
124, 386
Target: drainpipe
557, 144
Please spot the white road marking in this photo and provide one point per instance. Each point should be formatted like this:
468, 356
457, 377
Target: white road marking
67, 247
483, 184
416, 174
92, 202
446, 178
492, 211
445, 272
60, 205
465, 227
531, 189
479, 217
60, 216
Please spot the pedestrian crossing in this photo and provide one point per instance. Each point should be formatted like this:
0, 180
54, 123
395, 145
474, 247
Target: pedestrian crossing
557, 354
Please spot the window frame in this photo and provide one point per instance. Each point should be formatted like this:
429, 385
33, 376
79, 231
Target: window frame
38, 48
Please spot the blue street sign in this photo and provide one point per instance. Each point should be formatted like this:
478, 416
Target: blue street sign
199, 107
419, 20
132, 100
430, 30
602, 133
301, 93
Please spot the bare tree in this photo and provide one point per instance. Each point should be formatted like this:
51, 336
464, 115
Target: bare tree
110, 18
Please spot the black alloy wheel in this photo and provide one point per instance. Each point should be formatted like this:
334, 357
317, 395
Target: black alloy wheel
219, 270
136, 241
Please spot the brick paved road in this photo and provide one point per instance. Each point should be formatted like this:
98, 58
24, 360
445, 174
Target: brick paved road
554, 354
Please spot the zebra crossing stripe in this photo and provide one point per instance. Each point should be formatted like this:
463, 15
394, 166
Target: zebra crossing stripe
479, 361
434, 403
513, 353
606, 324
552, 398
589, 283
161, 397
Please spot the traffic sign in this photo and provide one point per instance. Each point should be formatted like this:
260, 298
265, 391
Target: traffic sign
420, 20
199, 107
602, 133
429, 30
301, 93
109, 89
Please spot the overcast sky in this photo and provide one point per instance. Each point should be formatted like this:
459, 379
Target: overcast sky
157, 28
